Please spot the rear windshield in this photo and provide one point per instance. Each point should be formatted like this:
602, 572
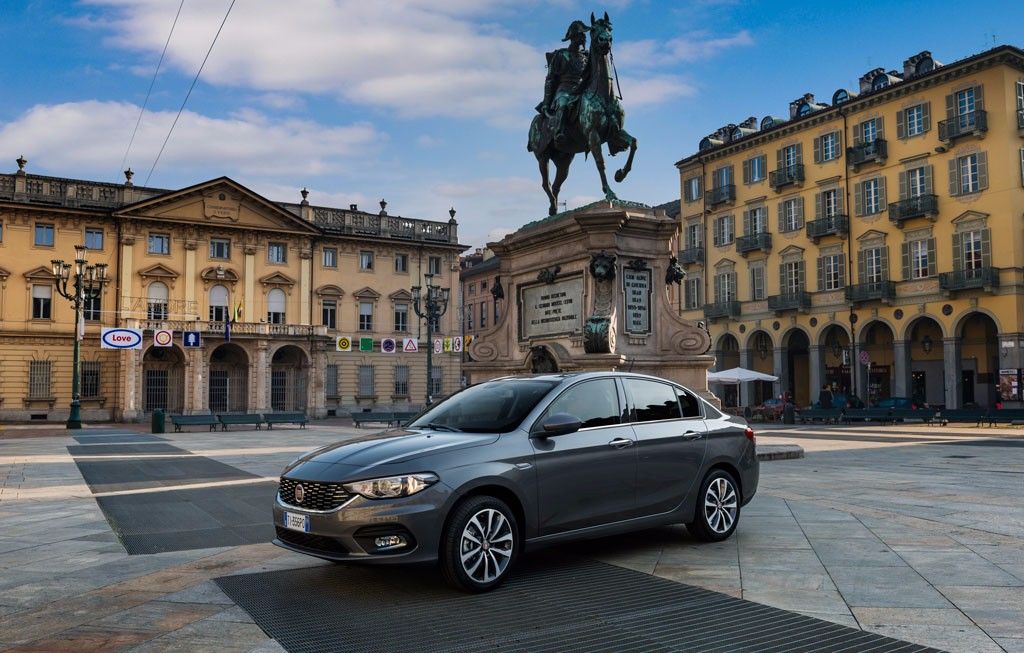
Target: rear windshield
493, 407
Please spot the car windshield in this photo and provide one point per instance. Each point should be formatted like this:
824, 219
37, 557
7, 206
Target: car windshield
492, 407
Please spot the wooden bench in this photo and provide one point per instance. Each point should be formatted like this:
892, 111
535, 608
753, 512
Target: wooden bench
285, 418
962, 415
403, 416
882, 415
1012, 416
824, 414
194, 420
903, 414
385, 417
239, 418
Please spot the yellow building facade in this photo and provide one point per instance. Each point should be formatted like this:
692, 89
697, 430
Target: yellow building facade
874, 243
288, 280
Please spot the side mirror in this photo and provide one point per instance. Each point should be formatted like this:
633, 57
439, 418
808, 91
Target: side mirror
558, 424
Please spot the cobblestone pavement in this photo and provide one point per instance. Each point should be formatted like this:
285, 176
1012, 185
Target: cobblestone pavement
910, 531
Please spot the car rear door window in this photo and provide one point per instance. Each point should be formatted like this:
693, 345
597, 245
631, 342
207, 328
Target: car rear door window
594, 403
653, 401
688, 403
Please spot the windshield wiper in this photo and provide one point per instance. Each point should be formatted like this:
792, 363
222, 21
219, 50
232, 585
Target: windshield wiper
442, 427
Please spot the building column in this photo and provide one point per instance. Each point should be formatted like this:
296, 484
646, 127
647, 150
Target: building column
781, 370
190, 279
305, 281
951, 371
127, 245
131, 364
901, 368
259, 375
745, 363
862, 372
816, 371
195, 401
249, 310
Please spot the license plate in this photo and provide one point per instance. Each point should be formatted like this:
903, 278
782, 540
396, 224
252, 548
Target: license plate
296, 522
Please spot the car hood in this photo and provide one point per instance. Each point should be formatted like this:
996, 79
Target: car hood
385, 448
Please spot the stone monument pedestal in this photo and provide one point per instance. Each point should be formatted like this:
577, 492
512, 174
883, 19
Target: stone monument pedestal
593, 289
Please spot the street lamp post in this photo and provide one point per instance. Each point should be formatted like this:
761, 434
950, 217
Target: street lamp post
431, 305
86, 283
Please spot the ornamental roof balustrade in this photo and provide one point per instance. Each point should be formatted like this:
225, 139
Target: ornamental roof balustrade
345, 222
72, 193
216, 329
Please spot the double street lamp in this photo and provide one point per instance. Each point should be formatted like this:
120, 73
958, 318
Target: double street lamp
431, 305
86, 284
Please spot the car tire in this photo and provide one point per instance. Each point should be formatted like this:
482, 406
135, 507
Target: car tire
479, 545
718, 507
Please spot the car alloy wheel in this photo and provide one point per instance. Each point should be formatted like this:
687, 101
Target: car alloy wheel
480, 544
718, 507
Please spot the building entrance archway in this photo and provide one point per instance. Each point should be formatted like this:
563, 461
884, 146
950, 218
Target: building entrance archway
728, 357
836, 357
762, 359
878, 343
289, 379
229, 380
798, 367
979, 361
927, 372
163, 379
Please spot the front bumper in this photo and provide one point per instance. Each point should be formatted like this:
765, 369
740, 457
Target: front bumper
347, 533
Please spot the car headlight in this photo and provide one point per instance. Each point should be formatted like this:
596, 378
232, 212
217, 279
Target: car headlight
392, 487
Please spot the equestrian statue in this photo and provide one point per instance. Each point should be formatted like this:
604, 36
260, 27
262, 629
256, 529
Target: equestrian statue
580, 110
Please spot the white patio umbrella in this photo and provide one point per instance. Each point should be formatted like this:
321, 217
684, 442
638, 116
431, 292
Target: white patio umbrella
739, 375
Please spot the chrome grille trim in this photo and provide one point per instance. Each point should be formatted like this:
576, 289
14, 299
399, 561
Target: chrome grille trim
317, 497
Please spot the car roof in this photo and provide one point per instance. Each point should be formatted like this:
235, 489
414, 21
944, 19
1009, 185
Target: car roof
561, 377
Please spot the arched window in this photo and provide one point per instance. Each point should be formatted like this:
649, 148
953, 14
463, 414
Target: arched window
803, 109
156, 301
275, 306
218, 304
880, 81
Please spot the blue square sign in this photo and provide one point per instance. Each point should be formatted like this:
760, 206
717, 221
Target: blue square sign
191, 339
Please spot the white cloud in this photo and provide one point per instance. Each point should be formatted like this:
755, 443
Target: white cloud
415, 57
89, 138
498, 233
427, 141
649, 53
280, 101
488, 187
653, 90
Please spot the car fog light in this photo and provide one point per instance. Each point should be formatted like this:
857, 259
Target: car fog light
389, 542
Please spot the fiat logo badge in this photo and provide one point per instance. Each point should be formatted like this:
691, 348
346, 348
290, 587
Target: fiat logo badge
300, 493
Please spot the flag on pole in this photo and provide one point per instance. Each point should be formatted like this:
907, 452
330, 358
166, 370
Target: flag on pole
81, 327
238, 310
227, 329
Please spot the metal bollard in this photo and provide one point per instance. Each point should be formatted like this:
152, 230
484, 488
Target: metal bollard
159, 423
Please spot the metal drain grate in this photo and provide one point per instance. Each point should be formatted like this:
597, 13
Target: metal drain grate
552, 603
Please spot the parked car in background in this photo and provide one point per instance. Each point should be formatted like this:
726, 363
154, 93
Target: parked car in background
517, 463
897, 402
771, 409
843, 400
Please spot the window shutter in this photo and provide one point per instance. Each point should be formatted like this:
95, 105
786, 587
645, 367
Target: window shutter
906, 261
954, 177
778, 159
958, 252
730, 225
885, 262
746, 171
801, 276
821, 273
862, 267
819, 205
904, 188
687, 195
856, 134
950, 106
782, 279
986, 248
817, 150
718, 288
746, 224
882, 205
926, 116
901, 129
880, 127
858, 198
800, 212
782, 208
929, 189
840, 203
979, 98
932, 263
982, 170
700, 187
729, 176
716, 234
842, 270
799, 153
839, 144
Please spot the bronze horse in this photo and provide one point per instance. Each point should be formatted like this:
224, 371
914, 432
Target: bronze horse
594, 117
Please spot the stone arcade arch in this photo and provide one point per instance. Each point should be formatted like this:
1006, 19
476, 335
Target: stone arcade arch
876, 380
289, 379
978, 369
924, 354
163, 379
760, 356
727, 356
797, 377
836, 360
228, 389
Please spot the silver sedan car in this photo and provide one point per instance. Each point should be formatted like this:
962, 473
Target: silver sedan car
517, 463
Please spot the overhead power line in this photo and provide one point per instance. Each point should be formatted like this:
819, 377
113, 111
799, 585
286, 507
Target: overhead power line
187, 95
151, 83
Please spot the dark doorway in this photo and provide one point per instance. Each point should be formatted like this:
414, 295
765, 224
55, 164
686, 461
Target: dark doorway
918, 387
967, 386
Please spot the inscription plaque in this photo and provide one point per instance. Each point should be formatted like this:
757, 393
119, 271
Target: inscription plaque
551, 308
636, 293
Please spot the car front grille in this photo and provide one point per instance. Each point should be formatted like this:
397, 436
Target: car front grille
315, 496
310, 541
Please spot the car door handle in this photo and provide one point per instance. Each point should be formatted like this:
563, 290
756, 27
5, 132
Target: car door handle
692, 435
620, 443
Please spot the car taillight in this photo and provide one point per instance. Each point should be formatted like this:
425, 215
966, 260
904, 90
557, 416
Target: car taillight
749, 432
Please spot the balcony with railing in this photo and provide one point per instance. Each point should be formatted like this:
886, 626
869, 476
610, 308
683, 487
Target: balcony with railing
884, 291
914, 207
215, 329
1020, 118
730, 309
871, 152
790, 301
833, 225
792, 174
753, 243
720, 195
985, 278
692, 255
972, 123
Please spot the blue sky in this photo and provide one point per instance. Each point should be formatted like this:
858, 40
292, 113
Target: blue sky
425, 103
